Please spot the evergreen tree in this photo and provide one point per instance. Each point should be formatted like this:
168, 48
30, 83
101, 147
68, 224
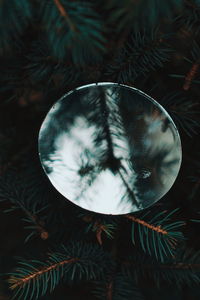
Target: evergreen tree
50, 248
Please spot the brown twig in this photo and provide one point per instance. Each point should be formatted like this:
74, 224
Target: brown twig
110, 291
190, 76
99, 230
142, 222
64, 14
39, 226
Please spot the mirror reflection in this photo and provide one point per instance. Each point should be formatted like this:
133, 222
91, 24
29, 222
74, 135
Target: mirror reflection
110, 148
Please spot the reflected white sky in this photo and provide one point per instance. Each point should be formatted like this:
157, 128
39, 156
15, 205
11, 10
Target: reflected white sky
65, 167
108, 192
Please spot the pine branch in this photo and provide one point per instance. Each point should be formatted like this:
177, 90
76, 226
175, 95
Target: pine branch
37, 225
183, 268
142, 222
194, 61
103, 106
117, 287
18, 282
158, 235
144, 53
13, 81
189, 17
82, 38
64, 13
68, 263
190, 76
183, 112
14, 19
196, 180
100, 225
47, 71
142, 13
18, 193
129, 190
100, 228
107, 139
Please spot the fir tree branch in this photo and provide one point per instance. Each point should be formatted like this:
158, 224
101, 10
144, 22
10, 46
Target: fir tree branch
145, 52
15, 192
142, 222
17, 282
190, 76
82, 40
117, 286
38, 225
99, 225
105, 115
64, 13
100, 228
183, 112
134, 13
189, 17
77, 261
196, 180
110, 290
14, 19
158, 235
130, 192
183, 268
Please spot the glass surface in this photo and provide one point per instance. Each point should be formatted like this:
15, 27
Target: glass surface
110, 148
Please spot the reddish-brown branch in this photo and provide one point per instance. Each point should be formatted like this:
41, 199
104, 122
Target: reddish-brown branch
142, 222
190, 76
39, 225
65, 15
99, 230
20, 281
110, 291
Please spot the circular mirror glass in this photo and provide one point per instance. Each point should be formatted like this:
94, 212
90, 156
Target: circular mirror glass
110, 148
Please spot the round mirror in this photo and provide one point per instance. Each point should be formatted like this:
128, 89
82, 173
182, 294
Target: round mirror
110, 148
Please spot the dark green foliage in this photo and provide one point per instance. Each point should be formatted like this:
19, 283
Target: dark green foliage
190, 17
21, 198
195, 52
183, 268
196, 182
14, 18
41, 208
79, 261
43, 67
6, 140
192, 75
141, 13
183, 112
99, 224
160, 244
77, 31
151, 10
145, 52
13, 79
117, 287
